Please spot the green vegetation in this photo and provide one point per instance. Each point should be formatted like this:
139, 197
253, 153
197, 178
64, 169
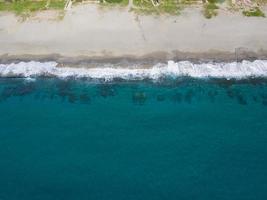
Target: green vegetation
114, 2
254, 12
188, 2
261, 2
173, 7
27, 6
20, 7
210, 9
57, 4
164, 6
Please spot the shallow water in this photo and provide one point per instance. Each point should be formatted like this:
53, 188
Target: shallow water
171, 139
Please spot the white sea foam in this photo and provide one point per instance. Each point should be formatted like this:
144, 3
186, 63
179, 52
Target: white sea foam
238, 70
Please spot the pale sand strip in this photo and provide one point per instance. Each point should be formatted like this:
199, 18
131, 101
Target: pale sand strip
89, 31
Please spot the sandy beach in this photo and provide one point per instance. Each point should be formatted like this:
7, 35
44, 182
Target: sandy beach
90, 32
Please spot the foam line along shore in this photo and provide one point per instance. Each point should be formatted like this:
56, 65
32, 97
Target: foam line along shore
230, 70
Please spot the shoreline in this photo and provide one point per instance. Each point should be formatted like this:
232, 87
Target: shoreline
130, 71
147, 60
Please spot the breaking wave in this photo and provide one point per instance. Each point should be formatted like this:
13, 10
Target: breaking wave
236, 70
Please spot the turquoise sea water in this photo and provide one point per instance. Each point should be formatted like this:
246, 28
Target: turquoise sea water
182, 139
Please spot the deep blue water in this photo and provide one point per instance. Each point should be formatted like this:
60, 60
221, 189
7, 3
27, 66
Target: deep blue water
179, 139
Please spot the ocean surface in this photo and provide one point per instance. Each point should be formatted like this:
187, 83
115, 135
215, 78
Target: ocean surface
137, 136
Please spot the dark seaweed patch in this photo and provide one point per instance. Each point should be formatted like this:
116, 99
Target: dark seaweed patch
65, 91
241, 99
52, 96
264, 99
264, 102
177, 97
212, 94
106, 91
63, 87
72, 98
225, 83
85, 99
160, 97
139, 98
236, 94
230, 93
6, 93
255, 98
19, 90
263, 96
189, 96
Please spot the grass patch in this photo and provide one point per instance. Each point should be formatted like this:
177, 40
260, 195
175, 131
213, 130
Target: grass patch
261, 2
57, 4
27, 6
212, 1
166, 6
169, 6
188, 2
114, 2
254, 12
210, 10
20, 7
